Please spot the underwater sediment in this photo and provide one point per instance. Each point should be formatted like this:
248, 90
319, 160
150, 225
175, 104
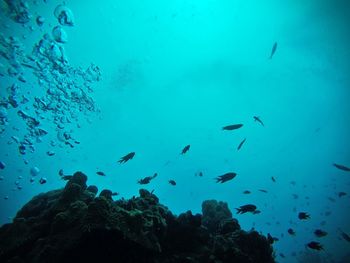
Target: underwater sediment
73, 224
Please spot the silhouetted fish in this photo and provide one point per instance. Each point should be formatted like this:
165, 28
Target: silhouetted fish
147, 179
225, 177
172, 182
246, 208
101, 173
256, 118
342, 167
273, 50
273, 179
232, 127
241, 144
185, 149
303, 216
315, 245
320, 233
127, 157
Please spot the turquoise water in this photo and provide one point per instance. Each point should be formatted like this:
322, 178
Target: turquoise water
151, 77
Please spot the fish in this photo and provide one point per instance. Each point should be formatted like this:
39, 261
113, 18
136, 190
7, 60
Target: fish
67, 177
273, 179
185, 149
340, 194
225, 177
291, 232
263, 190
100, 173
232, 127
246, 192
126, 158
246, 208
282, 255
320, 233
42, 180
115, 193
147, 179
315, 245
345, 236
200, 174
60, 172
271, 239
241, 144
172, 182
273, 50
303, 216
342, 167
256, 118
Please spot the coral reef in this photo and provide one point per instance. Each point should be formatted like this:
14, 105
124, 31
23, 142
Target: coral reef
74, 225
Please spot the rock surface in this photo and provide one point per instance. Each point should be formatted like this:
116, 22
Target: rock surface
74, 225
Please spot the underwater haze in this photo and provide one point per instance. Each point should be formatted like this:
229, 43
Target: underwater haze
85, 83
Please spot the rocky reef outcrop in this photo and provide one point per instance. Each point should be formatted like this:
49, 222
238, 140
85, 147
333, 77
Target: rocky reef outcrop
73, 224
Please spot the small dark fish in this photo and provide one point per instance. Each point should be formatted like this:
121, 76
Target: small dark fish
2, 165
303, 216
273, 179
282, 255
185, 149
256, 118
60, 172
147, 179
315, 245
342, 167
67, 177
246, 208
127, 157
273, 50
241, 144
271, 239
345, 236
340, 194
320, 233
115, 193
232, 127
291, 232
225, 177
200, 174
246, 192
101, 173
42, 180
263, 190
172, 182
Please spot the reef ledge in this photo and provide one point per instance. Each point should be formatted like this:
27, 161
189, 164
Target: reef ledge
73, 224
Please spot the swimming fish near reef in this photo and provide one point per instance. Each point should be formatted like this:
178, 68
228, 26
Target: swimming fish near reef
127, 157
263, 191
340, 194
246, 192
247, 208
342, 167
315, 245
241, 144
273, 179
291, 232
320, 233
232, 127
172, 182
303, 216
225, 177
273, 50
185, 149
67, 177
256, 118
147, 179
101, 173
345, 236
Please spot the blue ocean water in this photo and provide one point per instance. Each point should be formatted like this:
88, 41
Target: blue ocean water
83, 83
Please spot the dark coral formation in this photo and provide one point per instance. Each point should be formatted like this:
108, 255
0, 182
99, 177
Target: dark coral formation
73, 225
